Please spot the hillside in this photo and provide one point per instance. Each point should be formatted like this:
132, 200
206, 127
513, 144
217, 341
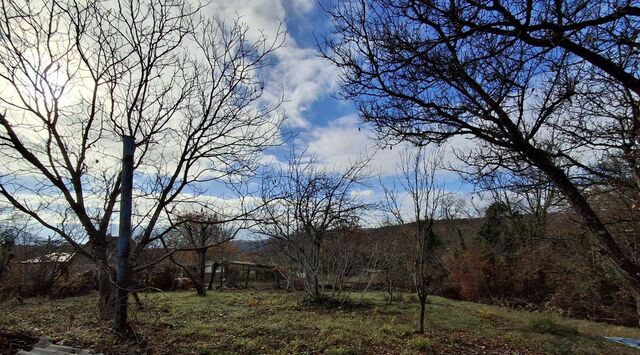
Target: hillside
555, 269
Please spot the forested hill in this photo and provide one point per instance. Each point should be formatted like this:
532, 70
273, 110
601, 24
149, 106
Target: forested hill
523, 262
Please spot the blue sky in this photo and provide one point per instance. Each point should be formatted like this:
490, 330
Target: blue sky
322, 124
325, 126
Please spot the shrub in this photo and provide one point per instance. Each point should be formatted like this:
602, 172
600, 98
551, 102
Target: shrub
468, 275
548, 324
76, 284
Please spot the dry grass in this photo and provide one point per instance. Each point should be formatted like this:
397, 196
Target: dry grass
279, 323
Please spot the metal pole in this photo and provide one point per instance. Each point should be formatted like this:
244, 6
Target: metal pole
124, 236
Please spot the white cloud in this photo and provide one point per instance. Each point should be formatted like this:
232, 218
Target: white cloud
259, 15
305, 78
298, 74
344, 140
366, 194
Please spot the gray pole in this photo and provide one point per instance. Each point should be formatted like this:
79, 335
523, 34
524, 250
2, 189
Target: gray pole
126, 188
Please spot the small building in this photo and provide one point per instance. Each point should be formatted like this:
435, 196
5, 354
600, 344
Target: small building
241, 273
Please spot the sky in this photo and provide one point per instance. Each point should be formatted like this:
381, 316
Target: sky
316, 119
327, 126
324, 125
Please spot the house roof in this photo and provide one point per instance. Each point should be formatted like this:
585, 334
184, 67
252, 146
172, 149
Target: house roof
57, 257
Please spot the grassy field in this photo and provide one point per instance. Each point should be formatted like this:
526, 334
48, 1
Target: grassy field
245, 322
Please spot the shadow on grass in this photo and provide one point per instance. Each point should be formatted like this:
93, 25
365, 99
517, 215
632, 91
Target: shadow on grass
329, 304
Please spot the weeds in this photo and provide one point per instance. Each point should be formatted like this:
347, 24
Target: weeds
549, 324
235, 322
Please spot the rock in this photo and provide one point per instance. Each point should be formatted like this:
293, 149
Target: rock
44, 346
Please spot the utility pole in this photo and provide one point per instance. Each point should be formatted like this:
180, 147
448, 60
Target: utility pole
126, 190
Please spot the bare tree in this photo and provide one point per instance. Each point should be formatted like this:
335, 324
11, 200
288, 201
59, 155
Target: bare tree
198, 233
308, 202
513, 75
77, 76
11, 229
416, 215
351, 262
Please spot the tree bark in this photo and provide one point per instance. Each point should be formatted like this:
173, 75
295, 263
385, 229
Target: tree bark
603, 239
107, 291
389, 285
316, 286
214, 268
200, 281
637, 297
423, 306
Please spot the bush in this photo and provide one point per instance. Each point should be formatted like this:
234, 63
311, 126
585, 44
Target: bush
161, 278
76, 285
548, 324
327, 302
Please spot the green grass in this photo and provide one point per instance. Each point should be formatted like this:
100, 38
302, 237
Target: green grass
248, 322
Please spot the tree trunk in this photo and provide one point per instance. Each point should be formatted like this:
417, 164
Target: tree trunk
277, 279
423, 304
214, 268
106, 286
316, 287
607, 245
200, 289
317, 246
138, 301
6, 248
223, 273
389, 287
201, 274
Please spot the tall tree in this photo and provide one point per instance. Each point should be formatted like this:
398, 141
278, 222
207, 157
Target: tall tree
305, 202
197, 234
514, 75
77, 76
416, 215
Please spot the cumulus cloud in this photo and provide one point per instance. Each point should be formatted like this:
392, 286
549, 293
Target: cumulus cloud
344, 140
298, 75
305, 78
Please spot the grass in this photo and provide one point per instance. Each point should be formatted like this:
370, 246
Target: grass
246, 322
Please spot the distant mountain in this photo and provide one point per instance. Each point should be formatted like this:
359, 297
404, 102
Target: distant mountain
250, 245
